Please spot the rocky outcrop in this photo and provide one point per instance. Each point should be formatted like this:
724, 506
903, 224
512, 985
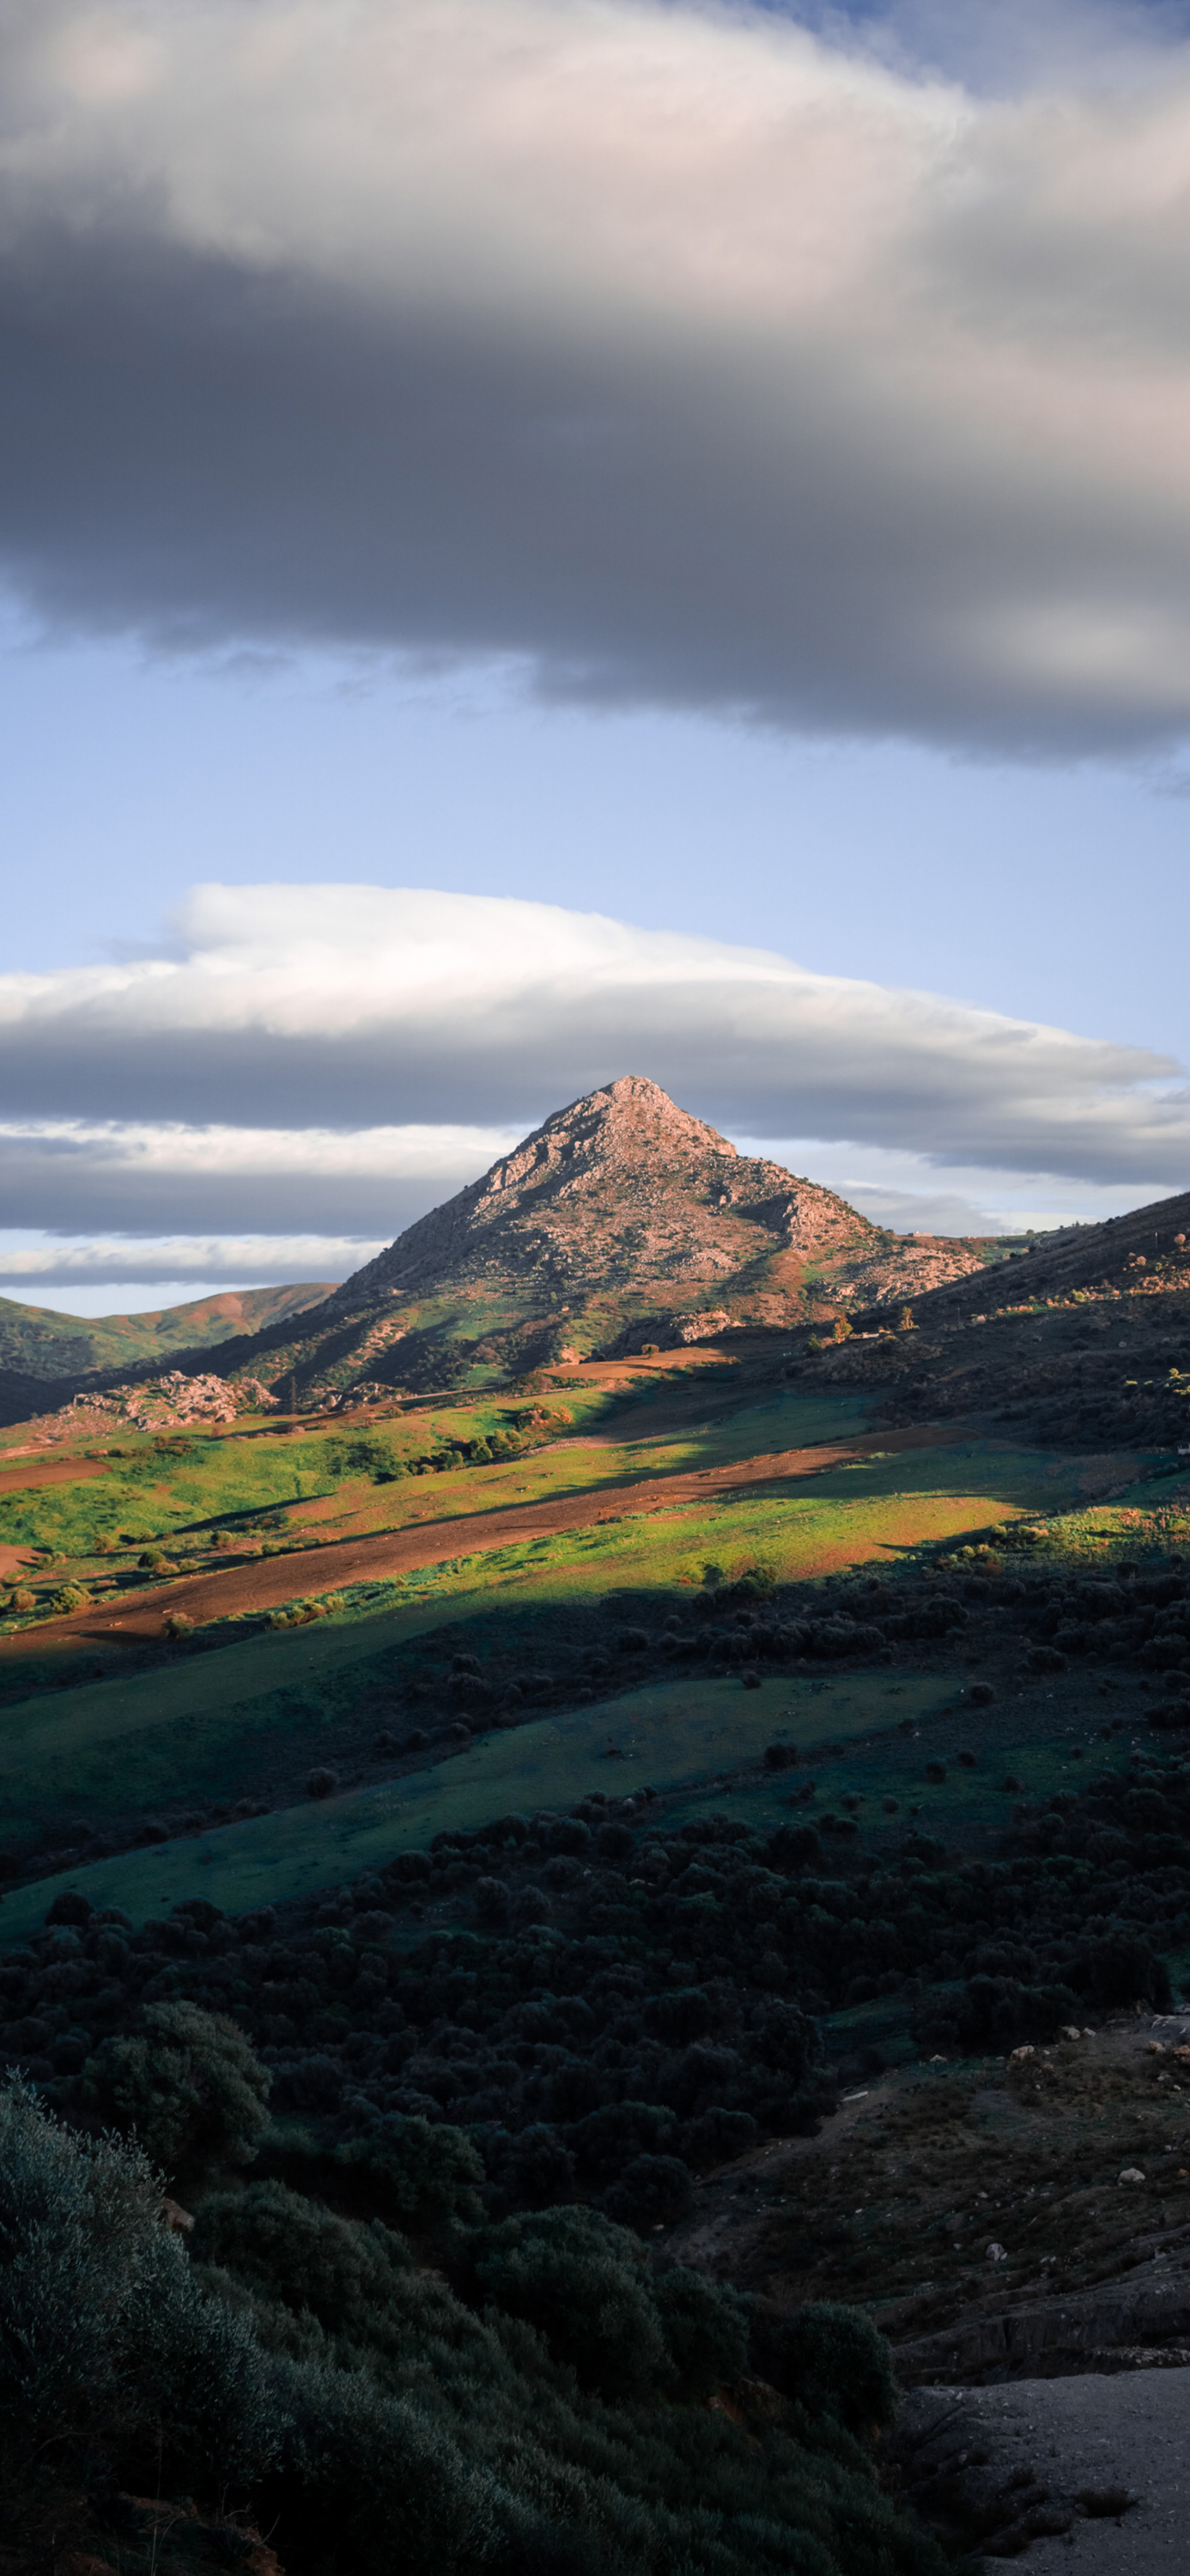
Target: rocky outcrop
1148, 2312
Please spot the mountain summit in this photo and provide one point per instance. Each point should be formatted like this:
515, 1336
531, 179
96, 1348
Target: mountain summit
620, 1220
623, 1193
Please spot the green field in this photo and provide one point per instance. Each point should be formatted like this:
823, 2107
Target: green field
203, 1726
864, 1735
186, 1484
194, 1725
667, 1736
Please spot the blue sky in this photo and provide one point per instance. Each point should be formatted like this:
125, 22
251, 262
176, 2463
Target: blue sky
788, 631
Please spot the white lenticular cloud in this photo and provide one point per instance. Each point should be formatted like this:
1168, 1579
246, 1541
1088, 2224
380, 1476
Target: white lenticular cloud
680, 355
330, 1060
185, 1264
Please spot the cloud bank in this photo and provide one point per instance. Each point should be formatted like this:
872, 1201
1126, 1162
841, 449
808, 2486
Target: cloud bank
678, 354
325, 1062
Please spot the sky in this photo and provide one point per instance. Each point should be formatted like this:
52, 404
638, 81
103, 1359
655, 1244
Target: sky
548, 538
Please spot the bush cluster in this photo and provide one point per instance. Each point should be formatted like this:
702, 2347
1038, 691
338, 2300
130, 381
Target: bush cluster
542, 2409
617, 2022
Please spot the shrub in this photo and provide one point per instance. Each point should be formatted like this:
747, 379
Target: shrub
679, 2016
832, 2361
576, 2277
567, 1834
1123, 1968
607, 2139
297, 2250
189, 2087
651, 2192
371, 2485
411, 1868
614, 1842
417, 2171
105, 2339
795, 1847
322, 1783
1000, 2012
705, 2326
717, 2136
70, 1908
539, 2170
493, 1904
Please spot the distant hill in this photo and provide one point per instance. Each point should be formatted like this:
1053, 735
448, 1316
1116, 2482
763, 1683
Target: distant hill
38, 1343
622, 1220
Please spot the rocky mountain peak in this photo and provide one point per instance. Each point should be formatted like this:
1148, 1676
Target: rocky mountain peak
620, 1223
620, 1189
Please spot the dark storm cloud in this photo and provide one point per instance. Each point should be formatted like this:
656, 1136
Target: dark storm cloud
96, 1184
681, 357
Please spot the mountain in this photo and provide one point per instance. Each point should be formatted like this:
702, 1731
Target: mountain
1146, 1250
45, 1357
621, 1220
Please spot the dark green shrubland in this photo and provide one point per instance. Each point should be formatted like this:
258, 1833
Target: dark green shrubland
543, 2413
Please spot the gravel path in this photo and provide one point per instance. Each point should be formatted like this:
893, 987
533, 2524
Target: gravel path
1090, 2475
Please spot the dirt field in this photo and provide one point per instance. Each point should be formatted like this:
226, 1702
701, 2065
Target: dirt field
54, 1471
269, 1581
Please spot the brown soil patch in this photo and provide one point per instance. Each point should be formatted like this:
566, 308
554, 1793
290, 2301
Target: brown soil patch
269, 1582
53, 1471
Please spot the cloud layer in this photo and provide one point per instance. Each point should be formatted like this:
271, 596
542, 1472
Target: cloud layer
325, 1062
680, 355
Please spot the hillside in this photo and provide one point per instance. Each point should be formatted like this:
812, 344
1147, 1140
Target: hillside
36, 1342
1086, 1338
621, 1221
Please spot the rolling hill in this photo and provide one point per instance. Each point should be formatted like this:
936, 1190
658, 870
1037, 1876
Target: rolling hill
36, 1342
